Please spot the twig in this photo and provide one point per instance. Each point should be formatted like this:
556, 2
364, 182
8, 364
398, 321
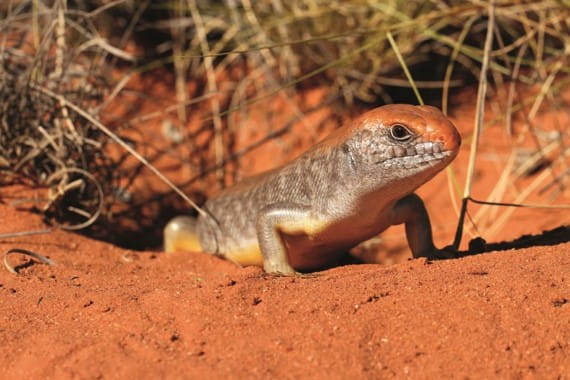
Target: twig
61, 192
122, 143
523, 205
37, 256
212, 87
25, 233
404, 67
479, 119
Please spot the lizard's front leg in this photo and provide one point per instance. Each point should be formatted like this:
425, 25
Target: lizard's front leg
270, 221
411, 211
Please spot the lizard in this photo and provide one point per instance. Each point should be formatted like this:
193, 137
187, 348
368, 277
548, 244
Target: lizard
349, 187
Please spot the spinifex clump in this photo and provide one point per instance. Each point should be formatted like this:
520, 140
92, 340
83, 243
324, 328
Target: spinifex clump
44, 143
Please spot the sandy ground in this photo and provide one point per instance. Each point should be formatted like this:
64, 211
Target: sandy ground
107, 312
102, 312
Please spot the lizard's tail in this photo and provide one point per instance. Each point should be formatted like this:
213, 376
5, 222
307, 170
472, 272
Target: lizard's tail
180, 234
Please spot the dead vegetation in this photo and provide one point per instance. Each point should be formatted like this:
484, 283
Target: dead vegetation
44, 144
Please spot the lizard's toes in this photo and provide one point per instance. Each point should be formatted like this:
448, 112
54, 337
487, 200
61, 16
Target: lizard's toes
293, 275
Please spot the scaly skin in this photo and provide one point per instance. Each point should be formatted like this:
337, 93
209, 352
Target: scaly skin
351, 186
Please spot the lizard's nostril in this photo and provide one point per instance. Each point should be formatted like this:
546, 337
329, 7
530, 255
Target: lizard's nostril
452, 139
443, 141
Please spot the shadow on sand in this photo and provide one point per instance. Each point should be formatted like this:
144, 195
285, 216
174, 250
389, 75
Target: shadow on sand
555, 236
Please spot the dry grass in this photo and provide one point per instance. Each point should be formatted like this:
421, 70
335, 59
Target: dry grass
43, 144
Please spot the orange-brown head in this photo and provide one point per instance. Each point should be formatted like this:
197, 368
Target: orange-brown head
426, 121
398, 146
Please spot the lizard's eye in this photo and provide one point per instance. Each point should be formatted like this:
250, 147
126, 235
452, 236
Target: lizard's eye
400, 132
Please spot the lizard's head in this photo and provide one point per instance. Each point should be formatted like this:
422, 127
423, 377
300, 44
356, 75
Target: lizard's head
400, 143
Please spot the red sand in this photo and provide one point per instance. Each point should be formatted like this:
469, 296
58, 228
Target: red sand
103, 312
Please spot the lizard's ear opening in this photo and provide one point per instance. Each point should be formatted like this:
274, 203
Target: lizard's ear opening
346, 149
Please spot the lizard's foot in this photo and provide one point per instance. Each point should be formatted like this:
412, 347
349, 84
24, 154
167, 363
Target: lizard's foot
278, 268
305, 276
283, 269
293, 275
445, 253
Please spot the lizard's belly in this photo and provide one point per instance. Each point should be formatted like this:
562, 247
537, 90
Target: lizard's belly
324, 248
306, 251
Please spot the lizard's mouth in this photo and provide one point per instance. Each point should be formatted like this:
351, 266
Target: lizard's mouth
413, 156
417, 160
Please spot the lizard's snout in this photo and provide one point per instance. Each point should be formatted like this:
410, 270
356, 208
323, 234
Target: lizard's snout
447, 135
451, 138
439, 128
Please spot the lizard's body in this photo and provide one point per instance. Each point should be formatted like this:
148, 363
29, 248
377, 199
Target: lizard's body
351, 186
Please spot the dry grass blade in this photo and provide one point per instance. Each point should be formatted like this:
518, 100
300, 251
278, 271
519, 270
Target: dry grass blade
212, 87
25, 233
404, 67
479, 119
37, 256
452, 61
527, 205
123, 144
60, 190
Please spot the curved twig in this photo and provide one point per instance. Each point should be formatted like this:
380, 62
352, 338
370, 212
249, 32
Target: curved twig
37, 256
100, 193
